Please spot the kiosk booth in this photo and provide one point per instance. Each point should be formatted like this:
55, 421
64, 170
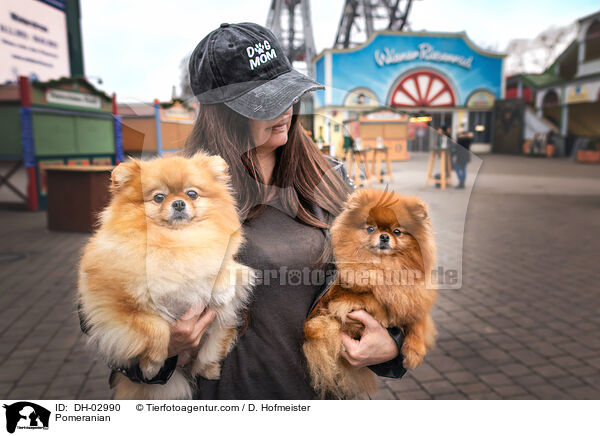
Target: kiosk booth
59, 122
155, 128
372, 140
382, 127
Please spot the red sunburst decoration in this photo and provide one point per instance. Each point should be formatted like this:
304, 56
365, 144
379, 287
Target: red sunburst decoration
423, 88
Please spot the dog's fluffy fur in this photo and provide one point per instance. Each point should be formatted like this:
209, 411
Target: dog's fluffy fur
151, 260
390, 280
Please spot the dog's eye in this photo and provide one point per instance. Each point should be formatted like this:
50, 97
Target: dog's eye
397, 232
370, 229
159, 198
192, 194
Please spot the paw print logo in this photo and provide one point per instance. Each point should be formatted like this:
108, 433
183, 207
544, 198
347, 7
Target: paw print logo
294, 277
260, 48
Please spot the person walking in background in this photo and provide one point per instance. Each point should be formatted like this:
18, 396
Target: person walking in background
461, 155
443, 137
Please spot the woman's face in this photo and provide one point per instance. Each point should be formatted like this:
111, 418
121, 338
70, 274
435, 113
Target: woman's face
268, 135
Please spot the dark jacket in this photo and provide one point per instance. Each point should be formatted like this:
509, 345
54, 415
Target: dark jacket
460, 150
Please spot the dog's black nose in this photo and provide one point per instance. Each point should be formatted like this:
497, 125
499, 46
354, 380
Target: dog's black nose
178, 205
384, 237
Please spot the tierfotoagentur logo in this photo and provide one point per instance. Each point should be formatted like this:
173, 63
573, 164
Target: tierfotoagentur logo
26, 415
285, 276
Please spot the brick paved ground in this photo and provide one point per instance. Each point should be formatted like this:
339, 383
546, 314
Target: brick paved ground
524, 324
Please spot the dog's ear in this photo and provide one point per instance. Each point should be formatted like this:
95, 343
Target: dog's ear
219, 167
418, 210
218, 164
124, 172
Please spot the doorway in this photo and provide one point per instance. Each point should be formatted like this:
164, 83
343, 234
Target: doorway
480, 123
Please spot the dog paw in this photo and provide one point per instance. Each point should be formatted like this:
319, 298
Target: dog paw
246, 277
413, 356
211, 371
150, 368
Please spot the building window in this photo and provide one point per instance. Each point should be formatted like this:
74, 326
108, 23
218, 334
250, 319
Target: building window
567, 67
550, 99
441, 119
550, 106
592, 42
480, 123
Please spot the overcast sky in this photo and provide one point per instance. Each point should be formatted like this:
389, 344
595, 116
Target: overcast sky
136, 46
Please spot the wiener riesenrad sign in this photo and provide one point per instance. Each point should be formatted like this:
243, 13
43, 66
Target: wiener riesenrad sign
418, 69
425, 52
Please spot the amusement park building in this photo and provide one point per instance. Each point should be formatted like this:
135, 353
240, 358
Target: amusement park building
435, 78
568, 92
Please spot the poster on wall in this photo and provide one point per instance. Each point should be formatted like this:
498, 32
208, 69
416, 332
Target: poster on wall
102, 161
78, 162
76, 99
481, 100
578, 93
33, 40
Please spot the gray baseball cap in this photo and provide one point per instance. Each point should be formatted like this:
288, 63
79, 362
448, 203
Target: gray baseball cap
244, 66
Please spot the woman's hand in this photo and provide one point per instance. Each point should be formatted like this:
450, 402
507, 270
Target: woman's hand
187, 331
375, 346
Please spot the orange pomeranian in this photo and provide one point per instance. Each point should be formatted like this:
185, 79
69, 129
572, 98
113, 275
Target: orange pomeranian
384, 252
166, 242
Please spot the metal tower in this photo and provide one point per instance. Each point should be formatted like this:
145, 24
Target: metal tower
360, 18
290, 21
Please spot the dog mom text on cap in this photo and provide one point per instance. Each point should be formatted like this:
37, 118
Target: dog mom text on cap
260, 53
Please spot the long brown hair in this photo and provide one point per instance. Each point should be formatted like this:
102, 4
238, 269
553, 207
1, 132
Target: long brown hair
306, 176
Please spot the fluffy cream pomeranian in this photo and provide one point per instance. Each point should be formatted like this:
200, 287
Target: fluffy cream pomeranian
166, 241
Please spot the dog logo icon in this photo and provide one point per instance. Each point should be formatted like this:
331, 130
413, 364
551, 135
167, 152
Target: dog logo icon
26, 415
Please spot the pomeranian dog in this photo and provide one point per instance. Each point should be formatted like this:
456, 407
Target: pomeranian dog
166, 241
384, 252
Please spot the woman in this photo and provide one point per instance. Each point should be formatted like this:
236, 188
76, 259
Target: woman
287, 195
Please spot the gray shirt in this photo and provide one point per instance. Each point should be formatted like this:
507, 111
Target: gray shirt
267, 361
